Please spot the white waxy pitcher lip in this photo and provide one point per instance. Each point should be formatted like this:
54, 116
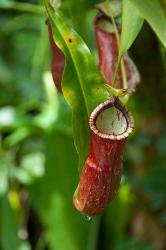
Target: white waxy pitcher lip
111, 127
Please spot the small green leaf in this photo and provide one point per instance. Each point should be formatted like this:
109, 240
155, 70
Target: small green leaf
154, 12
131, 25
82, 83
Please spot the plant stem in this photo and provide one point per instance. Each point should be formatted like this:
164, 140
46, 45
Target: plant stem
115, 72
125, 85
23, 7
120, 58
118, 42
93, 234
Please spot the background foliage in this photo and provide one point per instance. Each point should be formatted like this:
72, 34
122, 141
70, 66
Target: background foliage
38, 160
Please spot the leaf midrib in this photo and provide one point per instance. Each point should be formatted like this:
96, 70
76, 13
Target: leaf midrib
76, 68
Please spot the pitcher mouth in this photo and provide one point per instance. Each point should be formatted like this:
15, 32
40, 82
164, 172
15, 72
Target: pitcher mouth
111, 120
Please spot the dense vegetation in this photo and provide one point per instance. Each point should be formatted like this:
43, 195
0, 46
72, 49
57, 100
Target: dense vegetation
38, 159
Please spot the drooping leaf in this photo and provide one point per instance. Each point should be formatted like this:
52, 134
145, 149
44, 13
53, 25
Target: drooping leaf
131, 25
82, 84
154, 12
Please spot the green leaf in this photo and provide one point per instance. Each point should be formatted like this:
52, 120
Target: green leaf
31, 168
154, 12
10, 226
82, 83
110, 8
52, 196
163, 55
27, 7
3, 178
131, 25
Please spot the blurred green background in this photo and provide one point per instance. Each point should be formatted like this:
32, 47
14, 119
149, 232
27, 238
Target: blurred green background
38, 161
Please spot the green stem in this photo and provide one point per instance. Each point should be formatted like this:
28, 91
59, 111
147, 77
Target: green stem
118, 42
93, 234
125, 85
23, 7
115, 72
120, 58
